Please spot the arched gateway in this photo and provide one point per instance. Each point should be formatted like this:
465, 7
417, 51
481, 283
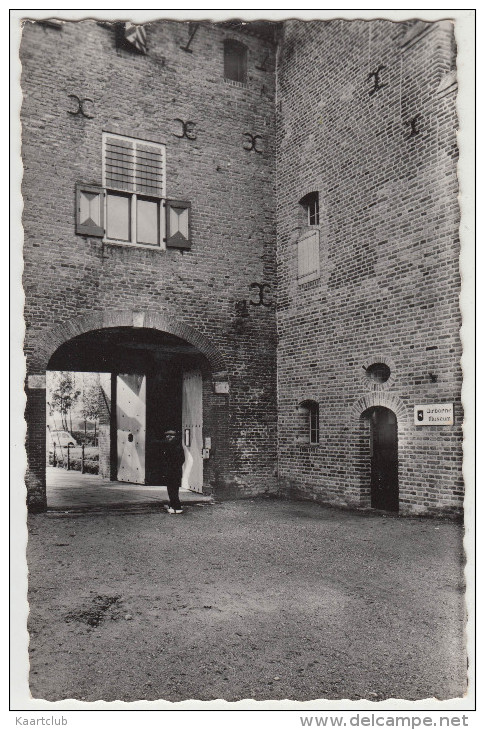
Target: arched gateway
155, 373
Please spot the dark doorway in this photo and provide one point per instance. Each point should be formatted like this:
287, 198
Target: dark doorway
383, 451
141, 392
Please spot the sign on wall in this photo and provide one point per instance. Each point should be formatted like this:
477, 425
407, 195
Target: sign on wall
434, 414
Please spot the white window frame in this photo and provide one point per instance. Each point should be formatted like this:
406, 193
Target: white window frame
134, 196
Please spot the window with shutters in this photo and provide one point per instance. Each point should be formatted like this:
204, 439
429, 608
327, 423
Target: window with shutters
235, 61
309, 239
131, 206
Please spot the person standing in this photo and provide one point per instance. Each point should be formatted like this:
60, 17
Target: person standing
172, 457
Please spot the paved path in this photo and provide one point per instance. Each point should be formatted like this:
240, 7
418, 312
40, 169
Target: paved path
68, 490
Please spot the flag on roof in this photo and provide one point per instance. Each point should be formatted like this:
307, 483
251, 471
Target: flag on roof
136, 36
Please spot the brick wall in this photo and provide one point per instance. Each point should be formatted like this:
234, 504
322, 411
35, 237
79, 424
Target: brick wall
231, 191
389, 285
384, 167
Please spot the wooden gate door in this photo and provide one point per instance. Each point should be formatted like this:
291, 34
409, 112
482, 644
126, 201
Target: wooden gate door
384, 464
192, 475
131, 427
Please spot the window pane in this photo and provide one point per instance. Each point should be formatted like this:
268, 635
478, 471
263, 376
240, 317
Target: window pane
118, 217
314, 425
147, 221
119, 163
313, 214
235, 62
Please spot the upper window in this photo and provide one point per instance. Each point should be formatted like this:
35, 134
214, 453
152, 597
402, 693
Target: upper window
134, 178
309, 239
235, 61
309, 204
131, 207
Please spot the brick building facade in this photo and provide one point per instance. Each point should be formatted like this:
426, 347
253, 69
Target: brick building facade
335, 169
378, 325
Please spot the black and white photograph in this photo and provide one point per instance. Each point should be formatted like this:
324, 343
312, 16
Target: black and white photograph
245, 275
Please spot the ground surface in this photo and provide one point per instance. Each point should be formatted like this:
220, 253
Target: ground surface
71, 490
253, 599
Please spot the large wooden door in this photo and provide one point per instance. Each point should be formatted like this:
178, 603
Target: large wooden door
384, 464
192, 475
131, 427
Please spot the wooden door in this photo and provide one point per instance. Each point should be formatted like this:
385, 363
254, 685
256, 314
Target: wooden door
192, 475
131, 427
384, 463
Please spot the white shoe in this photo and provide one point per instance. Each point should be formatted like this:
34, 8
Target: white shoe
172, 511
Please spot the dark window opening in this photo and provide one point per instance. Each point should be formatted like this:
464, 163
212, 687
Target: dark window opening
378, 372
310, 206
235, 61
310, 423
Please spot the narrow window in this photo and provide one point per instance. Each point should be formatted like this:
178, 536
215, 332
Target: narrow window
309, 425
235, 61
311, 211
314, 424
309, 239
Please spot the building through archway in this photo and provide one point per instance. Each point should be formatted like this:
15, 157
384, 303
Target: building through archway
149, 381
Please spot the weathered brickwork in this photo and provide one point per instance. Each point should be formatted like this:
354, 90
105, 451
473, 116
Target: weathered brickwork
389, 251
231, 191
362, 113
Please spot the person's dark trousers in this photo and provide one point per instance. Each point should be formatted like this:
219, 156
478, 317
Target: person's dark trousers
173, 494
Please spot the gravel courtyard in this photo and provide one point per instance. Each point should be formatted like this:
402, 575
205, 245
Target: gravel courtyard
254, 599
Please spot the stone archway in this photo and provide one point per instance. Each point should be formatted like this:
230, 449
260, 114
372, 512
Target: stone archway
49, 340
379, 398
52, 339
361, 435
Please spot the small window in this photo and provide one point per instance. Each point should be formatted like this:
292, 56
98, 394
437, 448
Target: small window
309, 412
311, 211
378, 372
309, 239
235, 61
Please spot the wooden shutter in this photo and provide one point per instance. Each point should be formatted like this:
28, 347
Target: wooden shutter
309, 256
178, 224
89, 210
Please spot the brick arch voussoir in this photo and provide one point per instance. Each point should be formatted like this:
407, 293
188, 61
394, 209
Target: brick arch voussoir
379, 398
52, 339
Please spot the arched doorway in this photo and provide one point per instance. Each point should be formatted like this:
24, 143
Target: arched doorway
383, 447
149, 380
53, 351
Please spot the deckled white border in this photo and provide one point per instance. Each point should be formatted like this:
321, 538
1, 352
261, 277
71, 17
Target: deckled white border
21, 702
